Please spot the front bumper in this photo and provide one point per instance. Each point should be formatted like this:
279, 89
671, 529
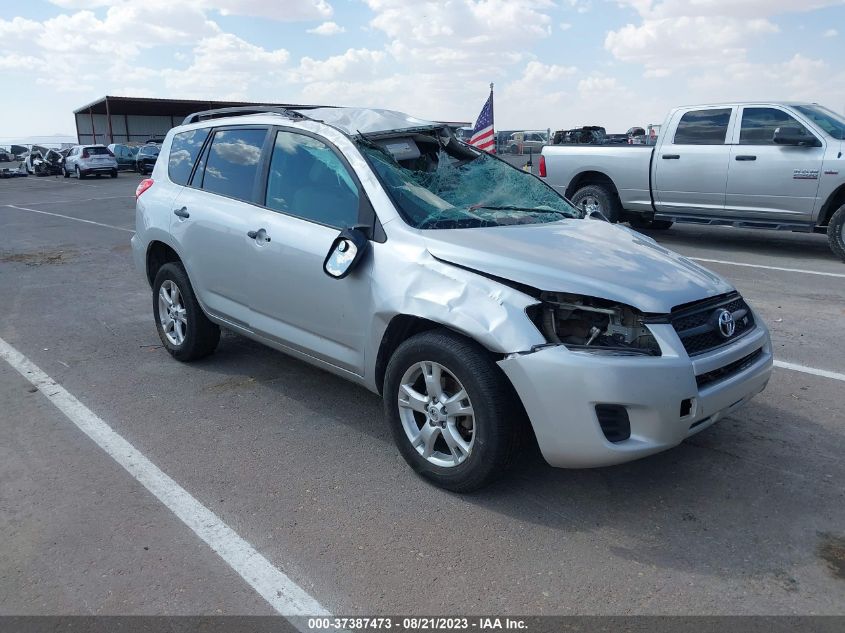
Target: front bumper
560, 390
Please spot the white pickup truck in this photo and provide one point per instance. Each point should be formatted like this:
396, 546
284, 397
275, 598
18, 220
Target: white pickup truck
768, 165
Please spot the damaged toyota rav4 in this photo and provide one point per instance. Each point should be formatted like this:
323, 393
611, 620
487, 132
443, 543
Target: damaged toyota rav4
475, 299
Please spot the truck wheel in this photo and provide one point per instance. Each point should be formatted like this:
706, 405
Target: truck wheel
451, 410
836, 233
639, 222
599, 198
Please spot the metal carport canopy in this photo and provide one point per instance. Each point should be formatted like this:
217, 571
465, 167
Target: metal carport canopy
112, 119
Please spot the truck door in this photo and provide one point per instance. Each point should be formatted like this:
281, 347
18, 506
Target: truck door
691, 166
770, 181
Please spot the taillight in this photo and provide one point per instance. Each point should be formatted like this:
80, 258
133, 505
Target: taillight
145, 184
85, 154
542, 167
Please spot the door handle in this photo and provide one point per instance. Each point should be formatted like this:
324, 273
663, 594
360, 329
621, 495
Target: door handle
259, 233
746, 157
671, 156
182, 213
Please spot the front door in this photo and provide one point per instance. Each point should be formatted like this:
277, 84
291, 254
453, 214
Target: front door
768, 181
691, 168
310, 196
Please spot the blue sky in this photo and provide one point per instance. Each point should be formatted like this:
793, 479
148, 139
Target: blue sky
555, 63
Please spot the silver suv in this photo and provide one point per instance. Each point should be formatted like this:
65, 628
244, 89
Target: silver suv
87, 160
470, 294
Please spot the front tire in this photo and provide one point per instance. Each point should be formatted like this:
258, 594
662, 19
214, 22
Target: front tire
836, 233
65, 172
182, 326
452, 411
601, 198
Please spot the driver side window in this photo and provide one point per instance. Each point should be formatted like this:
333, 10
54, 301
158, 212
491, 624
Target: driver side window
308, 180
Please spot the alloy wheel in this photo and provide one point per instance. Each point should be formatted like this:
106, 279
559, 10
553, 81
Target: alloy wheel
172, 313
436, 414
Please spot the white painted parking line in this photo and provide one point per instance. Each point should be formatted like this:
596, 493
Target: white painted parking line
810, 370
788, 270
70, 217
12, 204
283, 594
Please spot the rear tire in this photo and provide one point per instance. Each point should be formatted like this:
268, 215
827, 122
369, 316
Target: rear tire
836, 233
79, 175
598, 198
114, 174
493, 416
182, 326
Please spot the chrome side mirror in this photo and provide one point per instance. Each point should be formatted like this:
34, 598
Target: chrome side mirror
347, 250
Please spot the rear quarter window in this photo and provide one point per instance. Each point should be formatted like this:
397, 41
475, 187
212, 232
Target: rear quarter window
184, 152
703, 127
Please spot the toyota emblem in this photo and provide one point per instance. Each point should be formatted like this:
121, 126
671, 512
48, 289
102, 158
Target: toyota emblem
726, 323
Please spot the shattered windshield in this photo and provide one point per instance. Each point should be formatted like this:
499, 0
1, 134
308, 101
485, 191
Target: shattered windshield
439, 190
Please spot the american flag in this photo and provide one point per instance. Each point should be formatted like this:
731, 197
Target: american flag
483, 136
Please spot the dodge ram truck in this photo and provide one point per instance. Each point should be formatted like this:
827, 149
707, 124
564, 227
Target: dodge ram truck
768, 165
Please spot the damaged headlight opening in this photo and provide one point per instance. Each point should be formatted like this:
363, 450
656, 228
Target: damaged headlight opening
594, 325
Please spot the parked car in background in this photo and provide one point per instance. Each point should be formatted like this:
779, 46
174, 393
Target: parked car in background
522, 142
43, 161
88, 160
125, 155
146, 158
474, 302
587, 134
768, 165
6, 155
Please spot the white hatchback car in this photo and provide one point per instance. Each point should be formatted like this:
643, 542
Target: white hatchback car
470, 294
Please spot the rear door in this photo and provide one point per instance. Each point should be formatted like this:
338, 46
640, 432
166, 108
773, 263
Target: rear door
214, 212
691, 166
768, 181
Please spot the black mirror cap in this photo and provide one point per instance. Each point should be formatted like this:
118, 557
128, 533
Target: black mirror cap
348, 239
794, 136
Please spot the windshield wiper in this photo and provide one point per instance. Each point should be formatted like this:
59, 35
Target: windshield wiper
516, 208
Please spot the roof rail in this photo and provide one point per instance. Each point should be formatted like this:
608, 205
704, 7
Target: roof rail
290, 113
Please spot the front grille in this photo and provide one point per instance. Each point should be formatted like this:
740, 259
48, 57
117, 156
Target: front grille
728, 370
696, 324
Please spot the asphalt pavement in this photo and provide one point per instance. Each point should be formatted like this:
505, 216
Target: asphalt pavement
747, 517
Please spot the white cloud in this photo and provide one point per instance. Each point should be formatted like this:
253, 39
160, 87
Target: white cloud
665, 44
354, 64
565, 26
327, 28
226, 66
831, 33
281, 10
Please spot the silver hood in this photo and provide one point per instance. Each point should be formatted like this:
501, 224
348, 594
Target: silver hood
586, 257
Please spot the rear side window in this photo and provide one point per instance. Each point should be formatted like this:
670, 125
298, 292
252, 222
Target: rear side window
183, 154
759, 125
307, 179
703, 127
232, 162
